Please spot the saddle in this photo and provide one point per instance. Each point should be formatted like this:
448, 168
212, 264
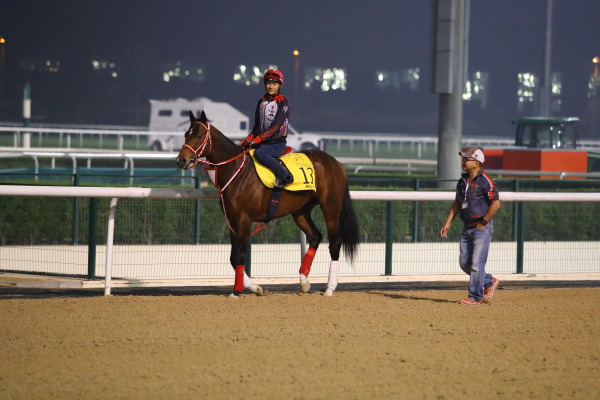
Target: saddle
299, 166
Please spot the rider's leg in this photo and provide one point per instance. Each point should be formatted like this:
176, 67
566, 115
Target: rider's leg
266, 154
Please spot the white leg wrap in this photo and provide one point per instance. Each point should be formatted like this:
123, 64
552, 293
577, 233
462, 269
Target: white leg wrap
304, 283
332, 280
248, 283
256, 289
303, 279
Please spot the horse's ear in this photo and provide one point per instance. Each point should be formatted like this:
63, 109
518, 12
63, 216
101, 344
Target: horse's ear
192, 117
203, 118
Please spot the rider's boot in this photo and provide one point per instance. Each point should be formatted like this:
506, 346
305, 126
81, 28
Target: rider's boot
281, 182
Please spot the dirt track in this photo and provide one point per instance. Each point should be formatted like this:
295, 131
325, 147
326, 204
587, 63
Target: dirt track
526, 344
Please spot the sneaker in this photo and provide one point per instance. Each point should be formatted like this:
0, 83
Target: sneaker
489, 292
470, 302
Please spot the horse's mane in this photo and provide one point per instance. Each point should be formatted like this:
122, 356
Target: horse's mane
203, 119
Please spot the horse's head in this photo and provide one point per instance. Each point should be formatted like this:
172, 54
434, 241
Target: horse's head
198, 142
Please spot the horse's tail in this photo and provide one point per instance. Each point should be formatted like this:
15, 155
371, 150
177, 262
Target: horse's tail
349, 226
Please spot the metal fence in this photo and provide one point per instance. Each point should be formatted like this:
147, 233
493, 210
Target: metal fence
171, 233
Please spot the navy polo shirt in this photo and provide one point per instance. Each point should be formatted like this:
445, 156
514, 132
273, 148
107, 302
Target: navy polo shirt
481, 191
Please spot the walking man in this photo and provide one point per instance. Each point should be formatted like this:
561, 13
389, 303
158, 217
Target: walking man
476, 203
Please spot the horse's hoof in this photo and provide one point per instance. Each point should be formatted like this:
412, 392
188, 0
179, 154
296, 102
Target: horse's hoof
304, 284
305, 287
234, 296
257, 290
328, 292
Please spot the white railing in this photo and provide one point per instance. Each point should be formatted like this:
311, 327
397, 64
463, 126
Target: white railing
356, 164
75, 156
370, 141
196, 194
22, 135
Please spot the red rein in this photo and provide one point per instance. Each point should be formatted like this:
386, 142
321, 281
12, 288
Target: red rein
201, 151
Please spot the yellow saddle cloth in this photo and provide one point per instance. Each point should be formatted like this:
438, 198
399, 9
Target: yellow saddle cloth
299, 165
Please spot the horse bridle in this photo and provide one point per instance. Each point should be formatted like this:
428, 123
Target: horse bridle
200, 150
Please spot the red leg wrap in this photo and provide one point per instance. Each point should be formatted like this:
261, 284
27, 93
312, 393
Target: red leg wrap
238, 286
307, 261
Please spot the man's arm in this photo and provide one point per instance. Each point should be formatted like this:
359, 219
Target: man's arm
452, 213
492, 210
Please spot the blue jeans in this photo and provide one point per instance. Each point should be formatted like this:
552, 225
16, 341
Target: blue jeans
266, 154
474, 247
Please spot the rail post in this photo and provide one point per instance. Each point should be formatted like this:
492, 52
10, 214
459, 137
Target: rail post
198, 213
93, 223
27, 115
520, 236
109, 245
519, 230
389, 240
415, 226
302, 238
515, 211
76, 204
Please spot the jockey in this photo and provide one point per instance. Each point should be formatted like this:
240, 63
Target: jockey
269, 133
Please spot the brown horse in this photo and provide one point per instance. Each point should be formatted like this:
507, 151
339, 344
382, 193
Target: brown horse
244, 200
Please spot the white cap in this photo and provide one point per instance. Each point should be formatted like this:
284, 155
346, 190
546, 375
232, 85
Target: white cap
473, 153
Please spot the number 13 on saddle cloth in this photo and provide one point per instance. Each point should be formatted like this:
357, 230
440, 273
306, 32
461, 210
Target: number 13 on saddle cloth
298, 164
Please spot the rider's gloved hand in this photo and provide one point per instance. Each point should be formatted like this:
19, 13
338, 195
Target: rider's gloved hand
248, 142
248, 145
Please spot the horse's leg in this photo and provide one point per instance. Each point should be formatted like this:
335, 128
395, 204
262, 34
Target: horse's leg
239, 246
335, 244
314, 237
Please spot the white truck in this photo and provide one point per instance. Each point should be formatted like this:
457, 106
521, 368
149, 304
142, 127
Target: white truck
170, 118
304, 141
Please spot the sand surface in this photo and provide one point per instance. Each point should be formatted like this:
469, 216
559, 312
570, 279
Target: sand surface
525, 344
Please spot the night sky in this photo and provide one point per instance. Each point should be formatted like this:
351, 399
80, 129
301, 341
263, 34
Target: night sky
506, 37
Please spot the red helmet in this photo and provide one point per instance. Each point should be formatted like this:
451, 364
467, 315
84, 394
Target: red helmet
274, 75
